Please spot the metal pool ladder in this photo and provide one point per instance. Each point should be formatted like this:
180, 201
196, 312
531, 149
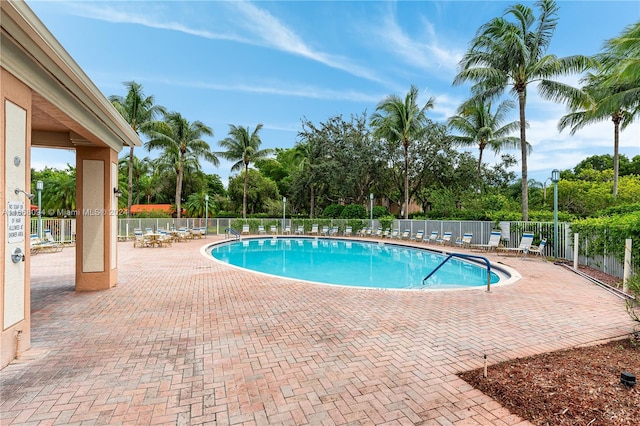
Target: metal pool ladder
463, 256
233, 232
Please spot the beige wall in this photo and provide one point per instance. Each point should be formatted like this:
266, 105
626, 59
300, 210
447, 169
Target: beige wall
96, 230
15, 122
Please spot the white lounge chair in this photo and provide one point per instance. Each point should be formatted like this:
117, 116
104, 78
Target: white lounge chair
348, 231
494, 242
418, 237
525, 244
245, 228
261, 230
433, 237
537, 250
465, 240
314, 229
446, 238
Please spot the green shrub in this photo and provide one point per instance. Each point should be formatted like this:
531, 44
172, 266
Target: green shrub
380, 211
354, 211
333, 211
633, 306
152, 213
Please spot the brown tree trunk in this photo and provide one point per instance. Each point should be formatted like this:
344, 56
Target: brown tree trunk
179, 191
522, 94
244, 194
406, 180
616, 160
130, 195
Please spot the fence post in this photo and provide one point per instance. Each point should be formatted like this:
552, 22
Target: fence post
627, 265
576, 241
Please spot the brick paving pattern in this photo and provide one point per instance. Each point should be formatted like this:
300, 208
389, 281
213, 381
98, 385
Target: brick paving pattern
183, 340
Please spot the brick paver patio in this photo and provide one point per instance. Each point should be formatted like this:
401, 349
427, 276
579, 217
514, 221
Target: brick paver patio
183, 340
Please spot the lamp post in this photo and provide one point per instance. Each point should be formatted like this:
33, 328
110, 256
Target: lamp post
39, 187
371, 209
284, 209
206, 213
555, 178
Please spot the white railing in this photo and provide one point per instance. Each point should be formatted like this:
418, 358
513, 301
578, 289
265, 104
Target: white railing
64, 230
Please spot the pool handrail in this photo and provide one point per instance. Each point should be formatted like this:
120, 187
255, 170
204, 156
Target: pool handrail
463, 256
232, 231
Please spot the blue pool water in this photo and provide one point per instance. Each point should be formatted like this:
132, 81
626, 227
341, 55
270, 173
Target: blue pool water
351, 263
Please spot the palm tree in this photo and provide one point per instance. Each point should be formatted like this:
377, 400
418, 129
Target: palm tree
243, 147
592, 105
401, 121
513, 54
60, 190
479, 126
139, 111
183, 147
621, 68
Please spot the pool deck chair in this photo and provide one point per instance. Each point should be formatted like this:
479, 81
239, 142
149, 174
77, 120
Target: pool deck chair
433, 237
300, 230
273, 230
50, 243
446, 238
287, 230
418, 237
245, 228
406, 234
494, 242
465, 240
333, 232
537, 250
325, 230
348, 231
261, 230
525, 244
314, 229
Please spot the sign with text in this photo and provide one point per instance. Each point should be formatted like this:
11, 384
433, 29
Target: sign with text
15, 222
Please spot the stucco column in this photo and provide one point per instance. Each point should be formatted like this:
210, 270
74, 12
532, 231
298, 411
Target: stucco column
15, 143
96, 219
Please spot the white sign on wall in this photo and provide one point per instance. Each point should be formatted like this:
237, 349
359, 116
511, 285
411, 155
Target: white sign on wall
15, 222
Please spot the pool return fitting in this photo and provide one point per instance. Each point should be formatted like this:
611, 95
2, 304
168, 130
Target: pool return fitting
464, 256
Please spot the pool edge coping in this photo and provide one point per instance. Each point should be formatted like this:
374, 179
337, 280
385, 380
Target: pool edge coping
513, 276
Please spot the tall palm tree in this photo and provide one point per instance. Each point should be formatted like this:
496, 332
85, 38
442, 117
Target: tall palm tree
621, 68
139, 111
513, 54
183, 147
243, 147
592, 105
401, 121
479, 126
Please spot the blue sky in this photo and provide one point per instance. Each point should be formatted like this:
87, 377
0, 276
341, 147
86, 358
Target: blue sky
276, 62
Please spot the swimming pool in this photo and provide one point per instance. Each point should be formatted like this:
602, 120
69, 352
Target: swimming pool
351, 263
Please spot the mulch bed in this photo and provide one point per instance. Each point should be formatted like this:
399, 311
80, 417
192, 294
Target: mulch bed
578, 386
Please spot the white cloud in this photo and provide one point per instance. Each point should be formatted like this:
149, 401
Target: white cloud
426, 52
255, 26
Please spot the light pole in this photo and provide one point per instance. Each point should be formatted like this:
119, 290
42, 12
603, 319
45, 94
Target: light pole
284, 209
39, 187
371, 210
206, 213
555, 178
